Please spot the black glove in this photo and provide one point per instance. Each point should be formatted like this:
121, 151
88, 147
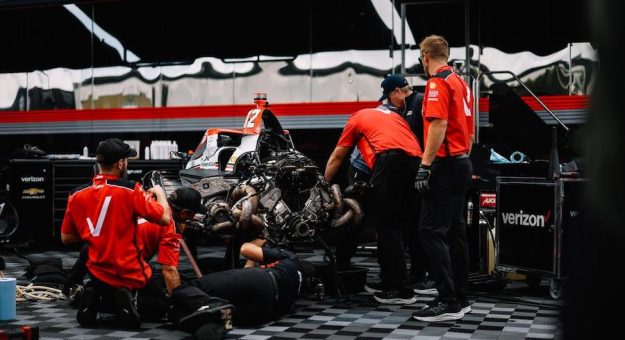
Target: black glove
423, 177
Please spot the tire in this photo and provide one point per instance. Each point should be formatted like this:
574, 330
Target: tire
9, 219
555, 289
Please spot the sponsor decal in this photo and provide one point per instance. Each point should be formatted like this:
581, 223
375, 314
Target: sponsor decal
488, 200
432, 93
33, 194
526, 220
409, 113
32, 179
432, 85
131, 172
32, 191
232, 159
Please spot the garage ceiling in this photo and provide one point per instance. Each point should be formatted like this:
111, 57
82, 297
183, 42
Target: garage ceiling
39, 34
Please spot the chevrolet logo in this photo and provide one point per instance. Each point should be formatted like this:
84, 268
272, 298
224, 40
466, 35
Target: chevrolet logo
33, 191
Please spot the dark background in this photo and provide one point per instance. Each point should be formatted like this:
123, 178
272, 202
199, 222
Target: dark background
40, 34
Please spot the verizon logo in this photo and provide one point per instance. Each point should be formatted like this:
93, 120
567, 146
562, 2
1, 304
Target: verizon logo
525, 220
32, 179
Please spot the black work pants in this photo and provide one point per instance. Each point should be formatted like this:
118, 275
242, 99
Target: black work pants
412, 207
392, 182
251, 291
442, 230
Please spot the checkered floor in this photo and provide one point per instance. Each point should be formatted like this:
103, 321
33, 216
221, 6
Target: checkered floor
516, 312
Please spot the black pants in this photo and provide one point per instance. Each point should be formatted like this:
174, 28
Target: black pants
392, 188
251, 291
442, 229
152, 300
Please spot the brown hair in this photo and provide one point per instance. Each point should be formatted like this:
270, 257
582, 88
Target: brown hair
435, 46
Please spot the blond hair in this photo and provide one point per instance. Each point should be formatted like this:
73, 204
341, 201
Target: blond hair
435, 46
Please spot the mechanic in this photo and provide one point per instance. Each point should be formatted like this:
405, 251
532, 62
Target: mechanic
103, 214
443, 178
391, 150
259, 294
407, 104
153, 239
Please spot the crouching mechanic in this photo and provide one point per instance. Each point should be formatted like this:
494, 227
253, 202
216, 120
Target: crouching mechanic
259, 294
104, 215
152, 239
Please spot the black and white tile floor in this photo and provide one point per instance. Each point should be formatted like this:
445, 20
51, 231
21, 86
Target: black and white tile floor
514, 313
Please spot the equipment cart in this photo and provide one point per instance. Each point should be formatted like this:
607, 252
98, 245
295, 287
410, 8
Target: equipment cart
535, 217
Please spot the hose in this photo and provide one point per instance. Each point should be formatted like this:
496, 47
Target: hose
37, 293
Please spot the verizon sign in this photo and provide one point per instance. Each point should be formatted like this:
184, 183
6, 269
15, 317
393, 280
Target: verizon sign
525, 220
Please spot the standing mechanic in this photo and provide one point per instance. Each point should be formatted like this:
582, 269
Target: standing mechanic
390, 149
443, 178
104, 215
407, 104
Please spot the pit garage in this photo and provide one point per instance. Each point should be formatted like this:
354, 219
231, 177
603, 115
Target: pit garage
244, 104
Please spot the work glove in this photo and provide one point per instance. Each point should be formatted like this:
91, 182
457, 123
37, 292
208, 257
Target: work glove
423, 177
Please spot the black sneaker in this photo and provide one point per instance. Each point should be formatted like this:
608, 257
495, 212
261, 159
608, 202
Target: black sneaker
86, 315
441, 311
127, 309
220, 313
374, 287
427, 287
395, 297
465, 305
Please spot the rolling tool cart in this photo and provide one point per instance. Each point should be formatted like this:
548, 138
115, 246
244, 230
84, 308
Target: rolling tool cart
535, 218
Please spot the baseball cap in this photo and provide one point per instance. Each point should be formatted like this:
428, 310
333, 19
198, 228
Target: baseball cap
390, 83
111, 150
187, 198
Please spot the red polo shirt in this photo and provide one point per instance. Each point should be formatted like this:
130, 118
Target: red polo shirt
449, 98
104, 215
378, 130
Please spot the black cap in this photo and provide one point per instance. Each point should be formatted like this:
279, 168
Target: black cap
390, 83
111, 150
187, 198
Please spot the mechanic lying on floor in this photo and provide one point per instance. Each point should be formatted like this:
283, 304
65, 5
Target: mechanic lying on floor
259, 294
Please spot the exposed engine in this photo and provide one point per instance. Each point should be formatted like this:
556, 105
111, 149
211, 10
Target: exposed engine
283, 200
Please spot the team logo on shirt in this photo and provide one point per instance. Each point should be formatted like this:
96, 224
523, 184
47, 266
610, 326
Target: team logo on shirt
432, 93
432, 85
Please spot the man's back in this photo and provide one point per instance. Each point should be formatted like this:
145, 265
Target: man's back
377, 130
104, 215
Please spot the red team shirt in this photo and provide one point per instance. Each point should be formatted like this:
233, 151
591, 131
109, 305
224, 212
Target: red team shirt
450, 99
378, 130
104, 215
165, 240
